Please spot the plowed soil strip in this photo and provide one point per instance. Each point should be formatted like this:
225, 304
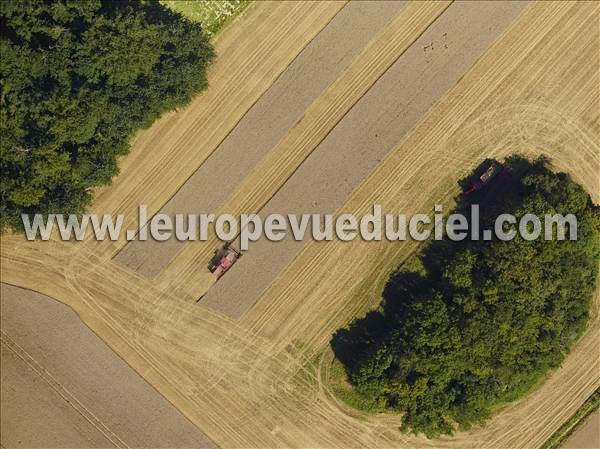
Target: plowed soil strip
449, 47
253, 382
166, 155
278, 109
318, 121
87, 396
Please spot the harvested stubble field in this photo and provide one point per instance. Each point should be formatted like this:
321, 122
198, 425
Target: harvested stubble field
262, 380
265, 123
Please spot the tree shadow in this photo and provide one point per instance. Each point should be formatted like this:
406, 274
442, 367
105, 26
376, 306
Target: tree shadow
357, 337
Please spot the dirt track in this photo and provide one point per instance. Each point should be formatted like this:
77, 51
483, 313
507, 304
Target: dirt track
248, 383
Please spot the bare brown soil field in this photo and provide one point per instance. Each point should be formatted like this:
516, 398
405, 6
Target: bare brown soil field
262, 381
265, 123
63, 387
587, 436
30, 403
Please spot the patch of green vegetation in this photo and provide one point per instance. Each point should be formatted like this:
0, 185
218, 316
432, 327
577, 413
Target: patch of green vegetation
344, 391
306, 377
588, 407
78, 79
477, 324
212, 14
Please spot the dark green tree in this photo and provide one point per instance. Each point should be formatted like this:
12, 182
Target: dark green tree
78, 78
487, 319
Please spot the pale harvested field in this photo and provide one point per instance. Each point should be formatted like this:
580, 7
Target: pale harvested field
258, 187
366, 134
265, 123
249, 58
247, 383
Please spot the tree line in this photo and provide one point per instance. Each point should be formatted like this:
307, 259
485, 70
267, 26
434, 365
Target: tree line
78, 78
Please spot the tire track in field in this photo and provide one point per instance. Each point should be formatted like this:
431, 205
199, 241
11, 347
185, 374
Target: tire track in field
318, 121
65, 394
534, 89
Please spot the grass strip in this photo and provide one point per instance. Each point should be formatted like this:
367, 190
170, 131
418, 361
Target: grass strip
589, 406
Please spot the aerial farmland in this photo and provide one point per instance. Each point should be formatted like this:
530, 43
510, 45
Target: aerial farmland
311, 108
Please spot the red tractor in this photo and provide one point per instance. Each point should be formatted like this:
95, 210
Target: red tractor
489, 174
222, 260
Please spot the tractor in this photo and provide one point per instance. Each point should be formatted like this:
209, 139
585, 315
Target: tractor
222, 260
489, 174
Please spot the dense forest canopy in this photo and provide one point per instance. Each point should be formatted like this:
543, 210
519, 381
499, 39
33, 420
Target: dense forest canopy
77, 79
474, 324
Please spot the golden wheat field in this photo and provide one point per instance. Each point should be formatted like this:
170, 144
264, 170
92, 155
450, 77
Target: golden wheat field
259, 378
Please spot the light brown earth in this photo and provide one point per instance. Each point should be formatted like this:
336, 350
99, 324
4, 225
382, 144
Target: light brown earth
587, 436
63, 387
258, 187
249, 382
250, 57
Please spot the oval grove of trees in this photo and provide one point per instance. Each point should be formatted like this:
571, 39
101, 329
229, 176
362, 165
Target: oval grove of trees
475, 324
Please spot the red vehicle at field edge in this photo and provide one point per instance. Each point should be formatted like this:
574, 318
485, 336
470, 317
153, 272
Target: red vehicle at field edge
222, 260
